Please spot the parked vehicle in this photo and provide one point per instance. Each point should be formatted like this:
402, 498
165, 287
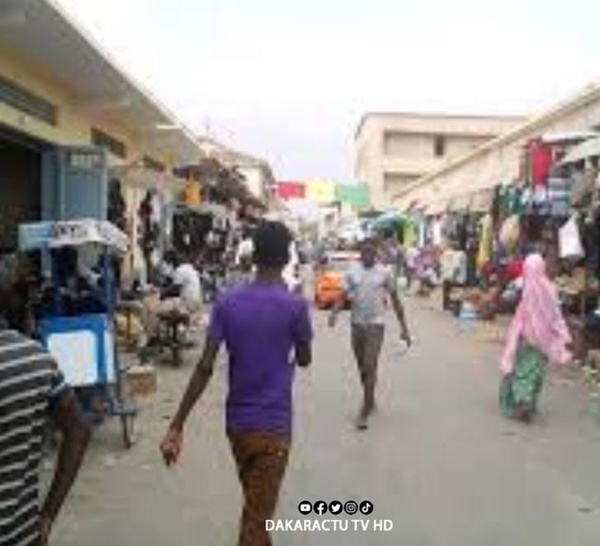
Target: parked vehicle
329, 278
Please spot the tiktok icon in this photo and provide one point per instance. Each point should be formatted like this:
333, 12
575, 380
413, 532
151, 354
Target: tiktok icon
366, 508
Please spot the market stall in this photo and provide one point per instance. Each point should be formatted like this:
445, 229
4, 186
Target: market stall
77, 324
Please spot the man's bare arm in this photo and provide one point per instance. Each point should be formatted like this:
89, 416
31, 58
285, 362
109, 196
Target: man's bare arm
76, 435
198, 383
401, 315
303, 354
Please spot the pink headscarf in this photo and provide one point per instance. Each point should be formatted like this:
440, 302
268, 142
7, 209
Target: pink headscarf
538, 319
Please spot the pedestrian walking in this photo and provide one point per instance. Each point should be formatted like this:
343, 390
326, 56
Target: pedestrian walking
32, 391
261, 324
369, 285
538, 335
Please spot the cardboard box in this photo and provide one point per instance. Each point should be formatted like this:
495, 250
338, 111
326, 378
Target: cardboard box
142, 380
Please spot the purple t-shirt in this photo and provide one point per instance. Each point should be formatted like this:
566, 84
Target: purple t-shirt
260, 325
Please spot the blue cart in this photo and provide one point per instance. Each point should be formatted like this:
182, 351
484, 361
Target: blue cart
84, 346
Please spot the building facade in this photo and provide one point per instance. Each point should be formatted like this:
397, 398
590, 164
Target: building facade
72, 123
393, 150
70, 120
498, 162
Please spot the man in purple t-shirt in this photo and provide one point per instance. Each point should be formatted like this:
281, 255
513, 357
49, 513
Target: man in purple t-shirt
261, 325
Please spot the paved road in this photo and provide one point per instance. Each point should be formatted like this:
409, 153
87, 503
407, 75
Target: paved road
438, 461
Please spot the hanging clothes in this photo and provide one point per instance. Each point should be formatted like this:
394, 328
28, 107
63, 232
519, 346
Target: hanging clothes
540, 161
410, 235
570, 244
437, 231
510, 233
486, 243
192, 194
590, 237
117, 208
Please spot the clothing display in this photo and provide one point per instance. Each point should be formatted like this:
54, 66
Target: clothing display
192, 194
149, 226
190, 230
590, 236
510, 201
552, 199
117, 208
437, 237
540, 162
510, 233
570, 244
486, 243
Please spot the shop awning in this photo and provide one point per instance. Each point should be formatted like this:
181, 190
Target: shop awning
435, 209
140, 177
589, 148
482, 201
583, 187
460, 203
213, 209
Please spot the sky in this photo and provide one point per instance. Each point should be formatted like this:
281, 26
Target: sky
289, 80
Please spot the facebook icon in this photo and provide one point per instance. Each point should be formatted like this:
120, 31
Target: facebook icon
320, 507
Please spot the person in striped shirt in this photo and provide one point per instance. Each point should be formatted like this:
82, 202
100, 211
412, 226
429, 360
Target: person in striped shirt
32, 390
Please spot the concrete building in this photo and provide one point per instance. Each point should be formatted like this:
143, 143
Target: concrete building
70, 119
497, 161
393, 150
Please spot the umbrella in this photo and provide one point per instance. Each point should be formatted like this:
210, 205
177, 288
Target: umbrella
388, 221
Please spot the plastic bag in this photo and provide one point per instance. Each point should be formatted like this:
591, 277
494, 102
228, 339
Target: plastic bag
570, 240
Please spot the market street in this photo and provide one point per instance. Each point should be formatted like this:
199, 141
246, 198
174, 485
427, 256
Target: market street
438, 460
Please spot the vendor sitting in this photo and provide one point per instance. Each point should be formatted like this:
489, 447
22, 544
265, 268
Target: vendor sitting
180, 294
454, 271
426, 270
76, 288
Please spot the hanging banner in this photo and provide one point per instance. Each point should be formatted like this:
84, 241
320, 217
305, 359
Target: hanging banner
291, 190
325, 192
353, 195
320, 192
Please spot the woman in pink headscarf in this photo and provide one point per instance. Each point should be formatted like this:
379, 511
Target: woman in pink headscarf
538, 335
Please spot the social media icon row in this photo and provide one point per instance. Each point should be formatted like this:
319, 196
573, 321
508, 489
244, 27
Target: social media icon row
336, 508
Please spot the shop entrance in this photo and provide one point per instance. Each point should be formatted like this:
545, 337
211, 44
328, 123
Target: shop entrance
20, 185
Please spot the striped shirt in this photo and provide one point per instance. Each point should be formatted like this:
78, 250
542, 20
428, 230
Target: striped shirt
29, 384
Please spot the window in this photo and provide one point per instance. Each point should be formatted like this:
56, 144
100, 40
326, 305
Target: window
110, 144
439, 146
19, 98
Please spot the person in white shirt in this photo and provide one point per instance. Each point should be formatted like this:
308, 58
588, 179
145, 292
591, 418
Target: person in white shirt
182, 296
454, 271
